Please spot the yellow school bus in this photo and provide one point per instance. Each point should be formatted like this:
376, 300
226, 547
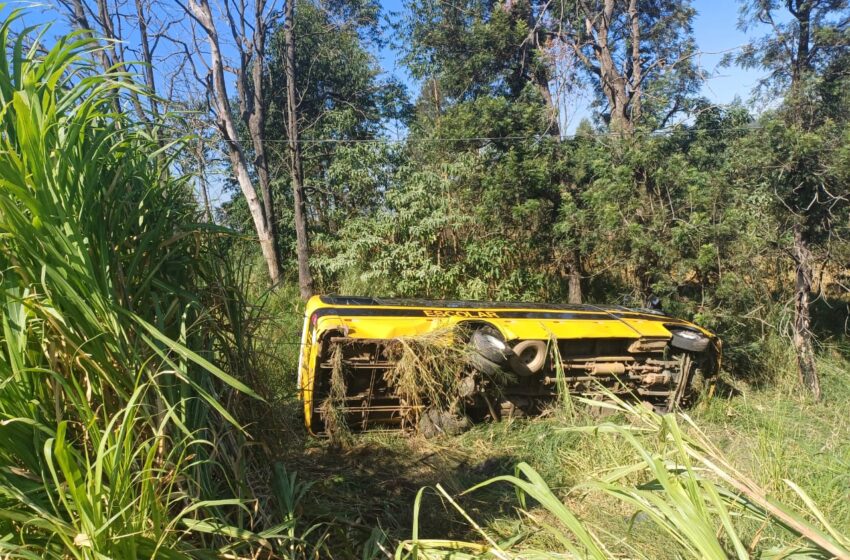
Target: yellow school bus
541, 348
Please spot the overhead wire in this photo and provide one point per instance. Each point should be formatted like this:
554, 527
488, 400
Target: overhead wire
511, 138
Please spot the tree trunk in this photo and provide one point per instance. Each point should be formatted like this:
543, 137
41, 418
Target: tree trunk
802, 316
147, 56
614, 83
202, 181
205, 199
802, 335
80, 20
574, 275
621, 122
302, 242
636, 74
801, 63
256, 122
113, 41
538, 71
200, 10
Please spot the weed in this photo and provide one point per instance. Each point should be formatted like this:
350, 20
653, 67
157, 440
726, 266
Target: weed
332, 407
427, 368
681, 484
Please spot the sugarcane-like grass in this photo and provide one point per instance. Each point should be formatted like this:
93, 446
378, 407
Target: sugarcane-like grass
114, 438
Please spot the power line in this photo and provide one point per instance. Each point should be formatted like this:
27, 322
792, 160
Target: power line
535, 138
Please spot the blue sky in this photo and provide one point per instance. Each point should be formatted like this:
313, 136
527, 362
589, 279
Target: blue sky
716, 30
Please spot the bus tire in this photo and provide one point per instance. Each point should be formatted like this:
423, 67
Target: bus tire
490, 346
690, 341
482, 364
523, 366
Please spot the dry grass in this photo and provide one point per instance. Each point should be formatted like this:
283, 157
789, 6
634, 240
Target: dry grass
331, 409
427, 371
428, 368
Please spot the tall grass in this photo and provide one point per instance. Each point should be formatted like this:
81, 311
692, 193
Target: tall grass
115, 441
697, 502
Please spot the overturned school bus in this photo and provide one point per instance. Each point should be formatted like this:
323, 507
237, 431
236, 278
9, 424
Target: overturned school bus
363, 360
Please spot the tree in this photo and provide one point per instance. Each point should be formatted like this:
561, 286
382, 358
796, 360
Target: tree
249, 32
639, 54
142, 11
302, 247
469, 51
805, 36
104, 20
796, 54
247, 23
217, 89
341, 96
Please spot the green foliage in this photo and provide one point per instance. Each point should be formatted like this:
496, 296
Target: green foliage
466, 50
696, 217
680, 483
805, 37
471, 218
116, 442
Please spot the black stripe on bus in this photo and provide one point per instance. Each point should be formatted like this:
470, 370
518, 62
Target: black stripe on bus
482, 314
461, 313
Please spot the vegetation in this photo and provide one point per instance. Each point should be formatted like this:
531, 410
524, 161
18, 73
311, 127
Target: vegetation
691, 495
767, 436
147, 370
116, 442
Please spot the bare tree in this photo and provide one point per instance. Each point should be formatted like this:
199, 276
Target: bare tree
200, 12
147, 55
104, 20
249, 31
245, 25
249, 25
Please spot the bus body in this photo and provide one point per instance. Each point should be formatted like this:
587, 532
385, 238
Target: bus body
637, 352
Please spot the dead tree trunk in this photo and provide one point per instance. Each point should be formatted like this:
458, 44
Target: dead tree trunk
147, 57
200, 12
200, 156
249, 40
115, 45
305, 278
256, 118
802, 334
80, 20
